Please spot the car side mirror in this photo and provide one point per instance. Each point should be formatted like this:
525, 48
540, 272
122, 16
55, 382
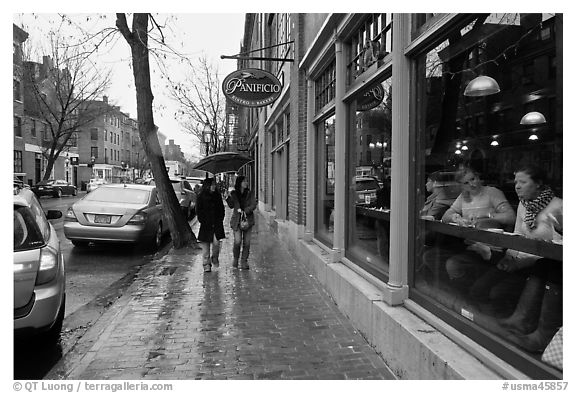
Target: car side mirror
53, 214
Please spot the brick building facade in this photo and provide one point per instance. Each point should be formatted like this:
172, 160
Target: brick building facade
371, 105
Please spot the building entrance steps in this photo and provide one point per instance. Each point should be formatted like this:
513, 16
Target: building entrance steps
274, 321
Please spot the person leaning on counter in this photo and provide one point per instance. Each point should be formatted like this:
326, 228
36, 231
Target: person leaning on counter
482, 207
478, 204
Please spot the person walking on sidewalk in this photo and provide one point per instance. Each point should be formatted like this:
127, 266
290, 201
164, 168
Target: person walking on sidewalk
243, 203
210, 213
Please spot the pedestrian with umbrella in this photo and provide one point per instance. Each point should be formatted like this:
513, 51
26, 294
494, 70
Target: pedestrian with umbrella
210, 213
243, 203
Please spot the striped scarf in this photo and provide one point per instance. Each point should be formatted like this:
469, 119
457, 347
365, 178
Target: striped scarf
534, 206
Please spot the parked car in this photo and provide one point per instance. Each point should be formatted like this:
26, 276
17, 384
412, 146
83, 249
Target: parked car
366, 189
54, 188
185, 195
20, 183
39, 275
124, 213
94, 184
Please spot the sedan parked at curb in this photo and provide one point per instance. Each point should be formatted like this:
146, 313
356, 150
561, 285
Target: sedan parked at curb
39, 276
94, 184
366, 189
54, 188
122, 213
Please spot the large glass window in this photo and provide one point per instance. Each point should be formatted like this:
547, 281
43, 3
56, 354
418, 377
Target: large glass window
18, 168
325, 87
17, 126
369, 178
326, 177
370, 44
488, 255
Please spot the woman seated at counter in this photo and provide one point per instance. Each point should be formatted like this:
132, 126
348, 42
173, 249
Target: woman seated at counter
482, 207
538, 313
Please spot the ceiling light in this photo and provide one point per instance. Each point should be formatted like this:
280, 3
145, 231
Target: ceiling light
481, 86
533, 118
533, 137
494, 143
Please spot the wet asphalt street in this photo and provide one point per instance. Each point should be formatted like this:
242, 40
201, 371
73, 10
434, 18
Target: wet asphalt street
273, 321
96, 276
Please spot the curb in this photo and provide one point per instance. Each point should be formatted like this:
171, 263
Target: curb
79, 357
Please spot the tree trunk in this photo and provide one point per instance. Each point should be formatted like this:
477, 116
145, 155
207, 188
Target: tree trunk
48, 169
179, 228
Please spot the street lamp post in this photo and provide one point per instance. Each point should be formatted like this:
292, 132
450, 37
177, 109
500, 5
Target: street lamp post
67, 165
207, 137
92, 161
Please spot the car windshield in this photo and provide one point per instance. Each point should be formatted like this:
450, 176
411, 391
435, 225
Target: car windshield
118, 195
366, 185
46, 182
26, 232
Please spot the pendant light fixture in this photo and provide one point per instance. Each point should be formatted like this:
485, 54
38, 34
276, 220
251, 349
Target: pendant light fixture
532, 118
481, 86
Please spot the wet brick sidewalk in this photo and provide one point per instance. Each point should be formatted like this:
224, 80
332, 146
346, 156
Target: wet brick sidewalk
273, 321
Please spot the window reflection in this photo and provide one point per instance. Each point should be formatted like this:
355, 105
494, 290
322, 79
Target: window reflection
326, 175
368, 229
478, 252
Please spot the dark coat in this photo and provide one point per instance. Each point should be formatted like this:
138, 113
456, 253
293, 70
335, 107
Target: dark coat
247, 202
210, 213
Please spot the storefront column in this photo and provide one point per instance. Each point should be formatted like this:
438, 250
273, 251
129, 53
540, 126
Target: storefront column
310, 161
340, 153
398, 278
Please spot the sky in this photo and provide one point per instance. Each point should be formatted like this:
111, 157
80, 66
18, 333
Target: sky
192, 34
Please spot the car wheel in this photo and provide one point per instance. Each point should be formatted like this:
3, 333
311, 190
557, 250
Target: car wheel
58, 193
53, 334
80, 243
158, 236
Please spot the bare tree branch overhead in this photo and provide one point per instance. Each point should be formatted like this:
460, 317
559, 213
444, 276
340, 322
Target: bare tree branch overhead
63, 94
201, 102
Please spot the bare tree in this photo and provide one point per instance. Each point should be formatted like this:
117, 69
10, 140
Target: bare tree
202, 103
62, 93
137, 38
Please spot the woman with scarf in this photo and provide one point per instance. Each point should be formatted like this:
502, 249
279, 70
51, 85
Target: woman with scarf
243, 203
210, 213
538, 313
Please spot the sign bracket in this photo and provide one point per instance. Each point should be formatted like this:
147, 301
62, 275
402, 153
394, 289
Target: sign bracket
242, 55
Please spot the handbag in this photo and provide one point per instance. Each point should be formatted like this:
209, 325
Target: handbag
244, 223
553, 354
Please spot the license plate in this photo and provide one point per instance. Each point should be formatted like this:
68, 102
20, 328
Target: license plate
101, 219
367, 199
40, 188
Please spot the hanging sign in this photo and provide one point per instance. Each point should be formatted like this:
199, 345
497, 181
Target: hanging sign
371, 98
252, 87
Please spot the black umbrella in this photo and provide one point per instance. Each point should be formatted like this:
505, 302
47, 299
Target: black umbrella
223, 162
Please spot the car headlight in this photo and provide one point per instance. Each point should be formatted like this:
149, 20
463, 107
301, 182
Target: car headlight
48, 265
70, 216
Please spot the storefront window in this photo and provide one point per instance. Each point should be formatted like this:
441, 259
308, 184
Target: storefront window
326, 176
370, 44
325, 87
489, 232
369, 177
